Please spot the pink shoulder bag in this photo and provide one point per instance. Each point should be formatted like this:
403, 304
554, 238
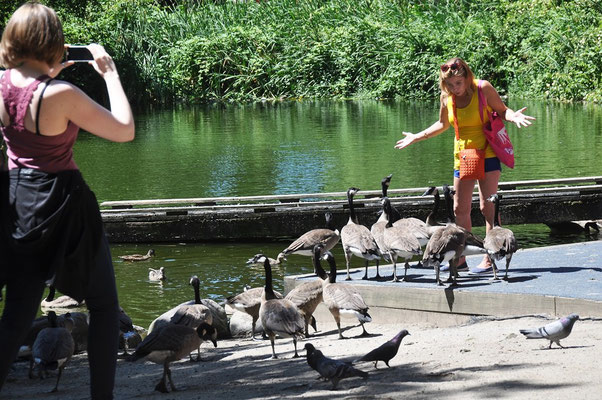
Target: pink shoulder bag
495, 132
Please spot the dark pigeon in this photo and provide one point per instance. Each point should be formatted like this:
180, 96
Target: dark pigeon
329, 369
553, 331
386, 351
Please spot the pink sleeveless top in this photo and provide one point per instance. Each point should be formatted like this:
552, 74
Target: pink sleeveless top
26, 149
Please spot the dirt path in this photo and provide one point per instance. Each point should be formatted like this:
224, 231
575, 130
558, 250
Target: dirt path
485, 359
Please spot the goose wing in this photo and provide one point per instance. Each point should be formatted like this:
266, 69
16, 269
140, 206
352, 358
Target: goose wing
306, 294
344, 297
281, 316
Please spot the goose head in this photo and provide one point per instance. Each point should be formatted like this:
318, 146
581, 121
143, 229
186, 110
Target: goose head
385, 183
207, 332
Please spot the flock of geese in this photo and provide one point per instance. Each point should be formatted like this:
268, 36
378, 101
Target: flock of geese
180, 331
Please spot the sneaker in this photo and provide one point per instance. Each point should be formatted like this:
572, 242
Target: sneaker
479, 271
461, 268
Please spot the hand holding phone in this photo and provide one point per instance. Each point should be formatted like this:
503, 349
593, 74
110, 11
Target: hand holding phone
78, 54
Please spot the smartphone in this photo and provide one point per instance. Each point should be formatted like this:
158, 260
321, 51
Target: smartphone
78, 54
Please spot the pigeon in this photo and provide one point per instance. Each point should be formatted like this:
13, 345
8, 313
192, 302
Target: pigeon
386, 351
553, 331
329, 369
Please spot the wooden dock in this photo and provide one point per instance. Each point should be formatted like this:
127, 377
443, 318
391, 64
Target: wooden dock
268, 218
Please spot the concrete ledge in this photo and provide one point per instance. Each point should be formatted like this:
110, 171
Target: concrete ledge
555, 281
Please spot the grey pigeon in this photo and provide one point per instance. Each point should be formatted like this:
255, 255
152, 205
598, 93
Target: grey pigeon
386, 351
329, 369
553, 331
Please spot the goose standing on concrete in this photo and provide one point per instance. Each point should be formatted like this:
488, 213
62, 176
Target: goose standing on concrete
53, 348
474, 244
445, 245
278, 316
398, 242
304, 245
499, 242
377, 229
342, 298
308, 295
431, 219
138, 257
249, 302
171, 343
357, 239
156, 275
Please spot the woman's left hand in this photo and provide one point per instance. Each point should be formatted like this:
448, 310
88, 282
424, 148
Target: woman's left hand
520, 119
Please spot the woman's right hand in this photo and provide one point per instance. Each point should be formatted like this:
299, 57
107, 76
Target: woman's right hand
406, 141
103, 63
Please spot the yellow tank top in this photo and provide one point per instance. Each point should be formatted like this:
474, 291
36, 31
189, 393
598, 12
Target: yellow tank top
470, 127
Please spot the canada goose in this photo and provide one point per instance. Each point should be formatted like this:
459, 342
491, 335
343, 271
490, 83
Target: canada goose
377, 229
138, 257
398, 242
171, 343
156, 274
308, 295
249, 302
445, 245
357, 239
192, 313
499, 242
53, 348
273, 262
61, 301
128, 335
589, 227
304, 245
431, 219
473, 244
341, 298
278, 316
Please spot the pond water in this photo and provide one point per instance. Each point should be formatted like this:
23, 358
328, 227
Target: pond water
300, 147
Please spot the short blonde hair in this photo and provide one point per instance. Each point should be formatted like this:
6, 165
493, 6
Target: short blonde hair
35, 32
455, 67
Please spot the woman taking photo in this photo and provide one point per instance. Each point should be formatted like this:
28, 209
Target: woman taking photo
51, 226
458, 84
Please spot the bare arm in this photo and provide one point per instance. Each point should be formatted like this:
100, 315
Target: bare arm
116, 125
495, 102
435, 129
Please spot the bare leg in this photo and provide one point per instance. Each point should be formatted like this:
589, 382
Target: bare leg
487, 187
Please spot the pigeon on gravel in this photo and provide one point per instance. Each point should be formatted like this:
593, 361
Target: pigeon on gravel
553, 331
330, 369
386, 351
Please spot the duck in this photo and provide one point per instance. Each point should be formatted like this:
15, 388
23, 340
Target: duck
341, 298
249, 302
52, 348
170, 343
308, 295
357, 239
304, 245
398, 241
278, 316
156, 274
499, 242
138, 257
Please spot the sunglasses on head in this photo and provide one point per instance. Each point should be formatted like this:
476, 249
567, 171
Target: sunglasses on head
453, 67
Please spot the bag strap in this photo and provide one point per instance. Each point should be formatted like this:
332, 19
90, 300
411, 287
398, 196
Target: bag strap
453, 99
40, 103
482, 100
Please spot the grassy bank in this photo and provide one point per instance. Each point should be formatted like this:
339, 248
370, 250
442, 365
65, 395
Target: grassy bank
199, 51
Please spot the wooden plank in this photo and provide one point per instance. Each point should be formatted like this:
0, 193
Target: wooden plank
596, 180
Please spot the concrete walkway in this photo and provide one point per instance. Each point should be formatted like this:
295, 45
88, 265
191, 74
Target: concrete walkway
555, 281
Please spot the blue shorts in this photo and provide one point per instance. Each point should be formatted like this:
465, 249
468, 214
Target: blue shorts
491, 164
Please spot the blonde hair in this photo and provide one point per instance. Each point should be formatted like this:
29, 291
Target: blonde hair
462, 69
35, 32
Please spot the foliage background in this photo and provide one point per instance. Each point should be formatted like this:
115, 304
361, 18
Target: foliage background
195, 51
